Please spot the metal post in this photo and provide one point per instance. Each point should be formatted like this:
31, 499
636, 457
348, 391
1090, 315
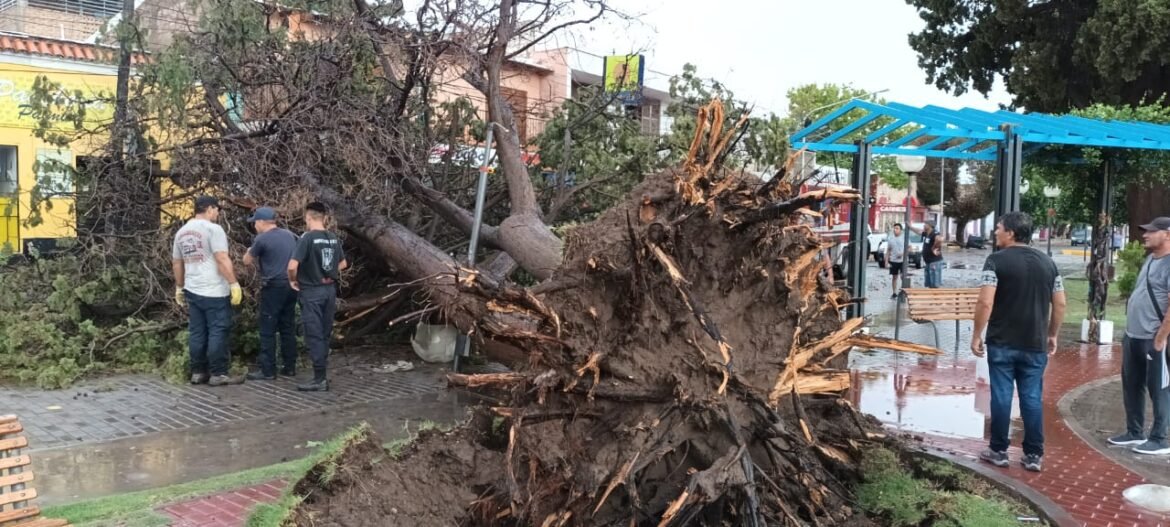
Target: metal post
942, 199
462, 341
1051, 222
857, 223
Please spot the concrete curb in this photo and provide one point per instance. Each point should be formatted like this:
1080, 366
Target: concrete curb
1096, 443
1049, 511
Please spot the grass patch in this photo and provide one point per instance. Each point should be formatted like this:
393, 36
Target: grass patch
932, 493
1077, 291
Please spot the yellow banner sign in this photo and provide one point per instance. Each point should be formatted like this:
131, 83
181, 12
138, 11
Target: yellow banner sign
16, 89
624, 73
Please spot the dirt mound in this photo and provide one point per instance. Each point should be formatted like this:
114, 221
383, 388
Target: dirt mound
660, 388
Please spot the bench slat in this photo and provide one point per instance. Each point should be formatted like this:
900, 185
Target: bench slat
19, 514
15, 479
14, 443
13, 462
11, 428
20, 495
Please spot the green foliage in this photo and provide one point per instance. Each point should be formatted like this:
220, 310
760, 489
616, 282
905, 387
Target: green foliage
1053, 56
608, 154
46, 336
930, 493
1129, 263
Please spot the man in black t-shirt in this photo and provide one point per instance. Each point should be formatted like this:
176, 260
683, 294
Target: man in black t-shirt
932, 256
1021, 305
314, 271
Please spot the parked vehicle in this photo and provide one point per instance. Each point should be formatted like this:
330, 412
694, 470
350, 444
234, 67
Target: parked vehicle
876, 245
1080, 236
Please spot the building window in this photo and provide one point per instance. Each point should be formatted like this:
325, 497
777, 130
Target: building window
8, 179
651, 118
54, 170
518, 101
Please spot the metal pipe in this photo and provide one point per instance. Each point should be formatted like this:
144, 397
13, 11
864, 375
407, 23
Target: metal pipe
463, 342
905, 258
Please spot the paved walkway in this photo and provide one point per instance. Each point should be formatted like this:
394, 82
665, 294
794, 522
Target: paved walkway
229, 509
939, 401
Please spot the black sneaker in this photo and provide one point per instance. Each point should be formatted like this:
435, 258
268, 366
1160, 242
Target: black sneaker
1126, 439
1153, 448
199, 378
315, 385
259, 376
289, 372
999, 459
894, 296
1032, 462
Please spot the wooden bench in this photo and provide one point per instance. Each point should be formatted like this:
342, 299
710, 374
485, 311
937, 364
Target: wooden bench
932, 305
16, 476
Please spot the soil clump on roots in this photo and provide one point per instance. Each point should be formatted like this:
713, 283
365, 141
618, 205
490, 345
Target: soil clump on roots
684, 366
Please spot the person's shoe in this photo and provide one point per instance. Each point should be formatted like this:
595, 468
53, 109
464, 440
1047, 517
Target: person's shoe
315, 385
199, 378
999, 459
289, 372
220, 380
894, 296
1153, 448
259, 376
1032, 462
1127, 439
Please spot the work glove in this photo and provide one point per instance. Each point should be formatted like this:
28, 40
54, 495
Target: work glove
237, 294
180, 298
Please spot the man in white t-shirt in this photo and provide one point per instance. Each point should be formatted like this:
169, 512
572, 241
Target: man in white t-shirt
205, 281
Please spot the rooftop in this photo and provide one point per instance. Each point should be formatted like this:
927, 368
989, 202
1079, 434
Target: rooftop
62, 49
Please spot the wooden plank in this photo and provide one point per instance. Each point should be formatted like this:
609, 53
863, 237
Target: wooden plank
14, 443
43, 522
7, 419
13, 479
19, 514
13, 427
15, 461
20, 495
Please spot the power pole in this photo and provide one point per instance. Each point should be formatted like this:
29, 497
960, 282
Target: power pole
122, 96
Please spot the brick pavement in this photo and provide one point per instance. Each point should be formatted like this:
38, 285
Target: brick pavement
939, 401
135, 405
227, 509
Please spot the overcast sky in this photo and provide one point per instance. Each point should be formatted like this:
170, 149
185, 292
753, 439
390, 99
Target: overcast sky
761, 48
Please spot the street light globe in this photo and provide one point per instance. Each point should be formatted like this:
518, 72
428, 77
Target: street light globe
1052, 191
911, 164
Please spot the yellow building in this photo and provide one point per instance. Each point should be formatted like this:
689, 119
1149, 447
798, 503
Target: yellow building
78, 68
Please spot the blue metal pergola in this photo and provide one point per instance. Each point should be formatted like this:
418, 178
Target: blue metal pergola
968, 134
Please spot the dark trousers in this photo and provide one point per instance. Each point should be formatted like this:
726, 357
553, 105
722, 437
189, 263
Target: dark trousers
278, 312
209, 330
318, 305
1014, 370
1141, 372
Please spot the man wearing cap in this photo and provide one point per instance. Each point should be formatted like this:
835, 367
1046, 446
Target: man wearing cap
314, 271
1143, 362
205, 281
271, 252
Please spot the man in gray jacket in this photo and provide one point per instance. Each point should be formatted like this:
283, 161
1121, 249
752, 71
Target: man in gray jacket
1143, 367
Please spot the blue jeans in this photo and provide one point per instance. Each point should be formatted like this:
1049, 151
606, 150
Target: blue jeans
934, 274
1011, 370
278, 311
208, 331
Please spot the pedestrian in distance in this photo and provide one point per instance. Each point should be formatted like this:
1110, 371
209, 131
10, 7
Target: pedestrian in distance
315, 271
1143, 356
1021, 306
206, 283
895, 256
270, 253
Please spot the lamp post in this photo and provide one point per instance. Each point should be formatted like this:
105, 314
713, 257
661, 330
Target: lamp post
1051, 192
911, 165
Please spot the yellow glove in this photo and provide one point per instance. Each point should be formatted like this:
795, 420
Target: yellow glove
237, 294
180, 298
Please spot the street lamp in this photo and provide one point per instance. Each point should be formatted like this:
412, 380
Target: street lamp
1051, 192
911, 165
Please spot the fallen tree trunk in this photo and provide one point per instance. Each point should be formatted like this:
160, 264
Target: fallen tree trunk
677, 379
